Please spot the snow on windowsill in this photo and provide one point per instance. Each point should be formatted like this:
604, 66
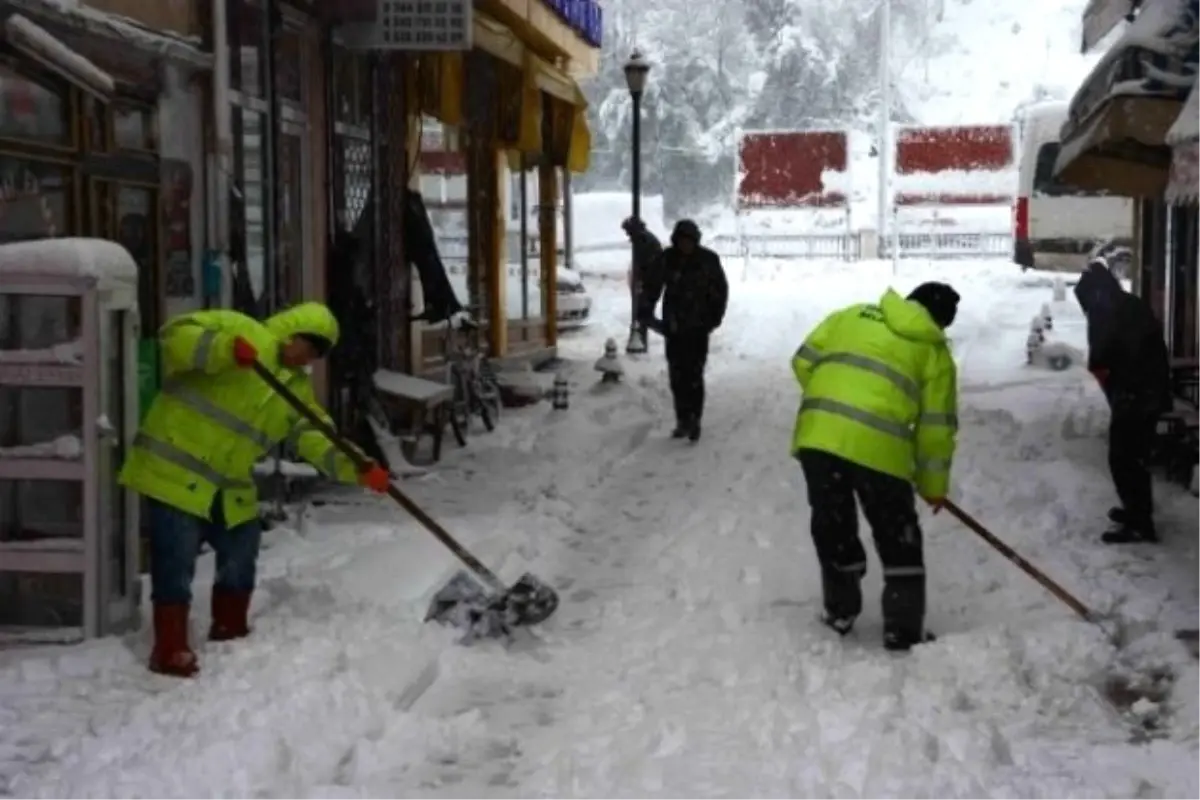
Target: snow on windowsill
66, 448
65, 353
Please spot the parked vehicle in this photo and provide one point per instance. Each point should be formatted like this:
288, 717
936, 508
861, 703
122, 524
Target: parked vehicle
574, 302
1054, 226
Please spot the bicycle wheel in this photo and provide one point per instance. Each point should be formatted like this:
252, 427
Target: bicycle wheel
483, 406
460, 407
489, 390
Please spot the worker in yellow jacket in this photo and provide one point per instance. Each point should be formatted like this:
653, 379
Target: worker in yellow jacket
193, 456
878, 416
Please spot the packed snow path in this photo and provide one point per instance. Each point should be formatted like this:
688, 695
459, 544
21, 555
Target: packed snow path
685, 659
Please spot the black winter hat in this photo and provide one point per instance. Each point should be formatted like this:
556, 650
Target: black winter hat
685, 228
940, 300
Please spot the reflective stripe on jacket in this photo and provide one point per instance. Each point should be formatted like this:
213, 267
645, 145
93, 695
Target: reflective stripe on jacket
880, 389
211, 421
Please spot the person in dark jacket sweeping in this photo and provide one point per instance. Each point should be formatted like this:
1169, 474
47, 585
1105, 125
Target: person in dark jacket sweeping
1128, 356
647, 253
695, 293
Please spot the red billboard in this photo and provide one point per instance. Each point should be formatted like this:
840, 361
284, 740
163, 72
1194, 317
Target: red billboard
955, 165
784, 169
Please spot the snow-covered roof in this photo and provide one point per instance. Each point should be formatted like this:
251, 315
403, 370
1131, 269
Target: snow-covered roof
1168, 68
182, 50
21, 31
1187, 125
70, 258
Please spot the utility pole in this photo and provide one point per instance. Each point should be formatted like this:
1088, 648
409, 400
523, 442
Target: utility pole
885, 112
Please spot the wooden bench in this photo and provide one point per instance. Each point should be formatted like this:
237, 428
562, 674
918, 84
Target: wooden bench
424, 405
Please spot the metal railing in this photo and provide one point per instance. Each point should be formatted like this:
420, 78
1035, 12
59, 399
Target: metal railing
949, 244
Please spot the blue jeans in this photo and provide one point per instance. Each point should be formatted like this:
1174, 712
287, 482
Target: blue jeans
175, 539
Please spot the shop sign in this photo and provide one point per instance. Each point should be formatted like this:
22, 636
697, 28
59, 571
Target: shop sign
584, 17
1183, 181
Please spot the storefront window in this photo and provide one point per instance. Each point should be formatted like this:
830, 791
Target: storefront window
525, 296
245, 31
133, 128
291, 221
30, 109
250, 219
33, 199
289, 66
135, 232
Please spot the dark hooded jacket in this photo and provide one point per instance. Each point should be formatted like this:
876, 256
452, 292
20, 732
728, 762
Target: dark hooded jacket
1125, 340
693, 287
647, 250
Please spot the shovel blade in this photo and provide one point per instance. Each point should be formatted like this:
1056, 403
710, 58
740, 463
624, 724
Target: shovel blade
464, 603
530, 601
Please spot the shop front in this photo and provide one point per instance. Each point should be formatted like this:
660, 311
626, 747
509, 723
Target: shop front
1117, 140
510, 128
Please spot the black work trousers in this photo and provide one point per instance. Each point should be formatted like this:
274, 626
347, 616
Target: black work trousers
889, 504
687, 353
1131, 433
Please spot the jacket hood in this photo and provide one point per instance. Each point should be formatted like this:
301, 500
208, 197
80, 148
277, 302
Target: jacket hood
314, 319
685, 228
909, 319
1097, 288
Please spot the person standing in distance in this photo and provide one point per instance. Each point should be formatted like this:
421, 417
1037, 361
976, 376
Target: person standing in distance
695, 294
879, 416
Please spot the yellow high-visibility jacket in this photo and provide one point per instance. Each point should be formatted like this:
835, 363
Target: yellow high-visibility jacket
881, 390
212, 421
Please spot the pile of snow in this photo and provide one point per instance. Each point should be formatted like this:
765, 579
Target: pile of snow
686, 658
70, 257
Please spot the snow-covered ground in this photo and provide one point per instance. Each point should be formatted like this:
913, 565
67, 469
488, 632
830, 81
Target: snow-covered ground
685, 659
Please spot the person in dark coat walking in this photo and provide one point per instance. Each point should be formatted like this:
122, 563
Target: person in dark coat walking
647, 253
695, 293
1127, 354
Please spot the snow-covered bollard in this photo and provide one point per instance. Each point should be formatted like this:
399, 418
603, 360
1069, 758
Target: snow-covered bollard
608, 365
1047, 318
1060, 290
1035, 340
560, 396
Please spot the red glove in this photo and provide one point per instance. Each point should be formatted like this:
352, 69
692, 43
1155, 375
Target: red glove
936, 503
244, 353
375, 478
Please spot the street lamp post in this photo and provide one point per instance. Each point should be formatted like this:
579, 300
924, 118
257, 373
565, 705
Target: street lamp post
636, 71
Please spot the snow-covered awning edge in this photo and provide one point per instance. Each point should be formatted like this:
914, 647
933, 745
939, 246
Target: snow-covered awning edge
184, 51
1148, 32
43, 47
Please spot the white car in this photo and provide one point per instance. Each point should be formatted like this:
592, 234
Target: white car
574, 303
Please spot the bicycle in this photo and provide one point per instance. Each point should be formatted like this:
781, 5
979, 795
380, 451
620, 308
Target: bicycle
470, 373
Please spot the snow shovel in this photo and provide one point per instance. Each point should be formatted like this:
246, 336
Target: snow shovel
1052, 586
463, 602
